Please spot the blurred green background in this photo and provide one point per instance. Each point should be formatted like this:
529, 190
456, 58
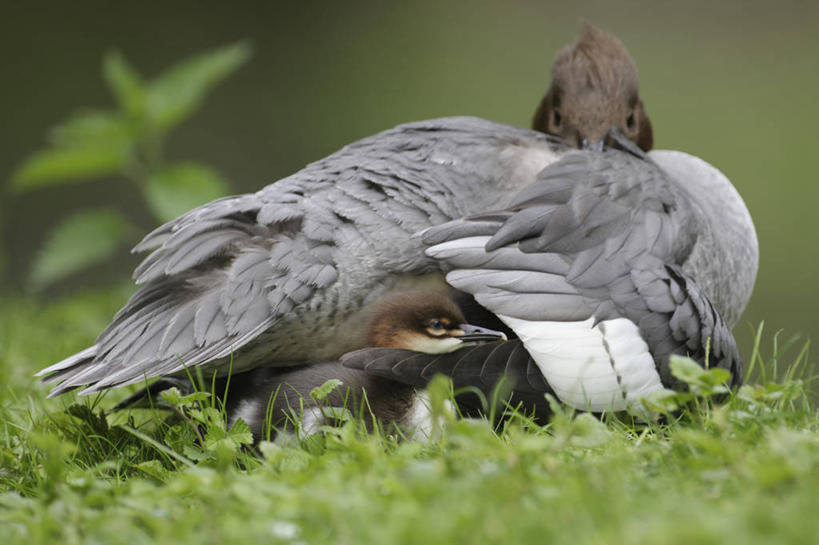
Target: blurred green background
733, 82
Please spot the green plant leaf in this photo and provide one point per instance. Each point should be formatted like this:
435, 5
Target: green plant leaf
125, 84
319, 393
76, 243
155, 469
177, 93
240, 432
685, 369
92, 129
57, 166
716, 376
176, 189
173, 396
701, 381
88, 145
664, 401
589, 432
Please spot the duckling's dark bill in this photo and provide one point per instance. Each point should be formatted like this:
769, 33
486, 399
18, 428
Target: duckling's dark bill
477, 334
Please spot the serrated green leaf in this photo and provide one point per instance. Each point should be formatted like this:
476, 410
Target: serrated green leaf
195, 397
685, 369
172, 396
153, 468
716, 376
194, 452
57, 166
178, 92
664, 401
92, 129
76, 243
240, 432
589, 432
336, 415
270, 451
321, 392
177, 188
125, 84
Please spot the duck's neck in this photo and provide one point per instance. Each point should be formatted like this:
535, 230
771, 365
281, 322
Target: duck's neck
725, 258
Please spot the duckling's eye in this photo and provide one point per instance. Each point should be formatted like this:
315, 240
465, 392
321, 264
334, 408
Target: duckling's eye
436, 324
630, 120
556, 118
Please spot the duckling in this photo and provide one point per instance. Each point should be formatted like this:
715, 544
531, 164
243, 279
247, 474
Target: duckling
594, 88
428, 322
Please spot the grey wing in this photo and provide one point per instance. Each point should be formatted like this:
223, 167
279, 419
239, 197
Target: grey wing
215, 279
598, 238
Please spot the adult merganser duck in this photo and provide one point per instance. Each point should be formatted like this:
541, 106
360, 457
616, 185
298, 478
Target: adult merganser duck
286, 275
421, 322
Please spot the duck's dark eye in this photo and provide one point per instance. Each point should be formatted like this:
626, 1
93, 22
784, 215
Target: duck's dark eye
435, 324
630, 120
556, 118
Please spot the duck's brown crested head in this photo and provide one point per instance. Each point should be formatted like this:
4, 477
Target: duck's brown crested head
423, 321
594, 88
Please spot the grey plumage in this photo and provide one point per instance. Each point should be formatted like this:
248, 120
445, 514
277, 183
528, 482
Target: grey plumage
283, 275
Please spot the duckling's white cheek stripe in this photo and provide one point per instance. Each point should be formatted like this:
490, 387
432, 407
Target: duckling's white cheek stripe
600, 368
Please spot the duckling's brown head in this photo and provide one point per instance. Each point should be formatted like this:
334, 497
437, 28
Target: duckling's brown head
594, 88
425, 322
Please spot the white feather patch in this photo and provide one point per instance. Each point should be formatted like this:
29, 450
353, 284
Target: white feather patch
248, 410
419, 421
607, 367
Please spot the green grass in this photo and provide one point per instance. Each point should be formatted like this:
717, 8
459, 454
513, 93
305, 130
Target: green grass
746, 471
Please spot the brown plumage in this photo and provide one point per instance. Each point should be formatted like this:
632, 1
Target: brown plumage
594, 88
401, 319
272, 398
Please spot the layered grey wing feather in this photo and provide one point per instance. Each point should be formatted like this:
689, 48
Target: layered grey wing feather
599, 235
215, 280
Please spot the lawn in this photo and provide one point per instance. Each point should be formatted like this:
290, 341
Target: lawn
743, 471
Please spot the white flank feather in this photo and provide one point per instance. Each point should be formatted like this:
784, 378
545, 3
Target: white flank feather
598, 368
